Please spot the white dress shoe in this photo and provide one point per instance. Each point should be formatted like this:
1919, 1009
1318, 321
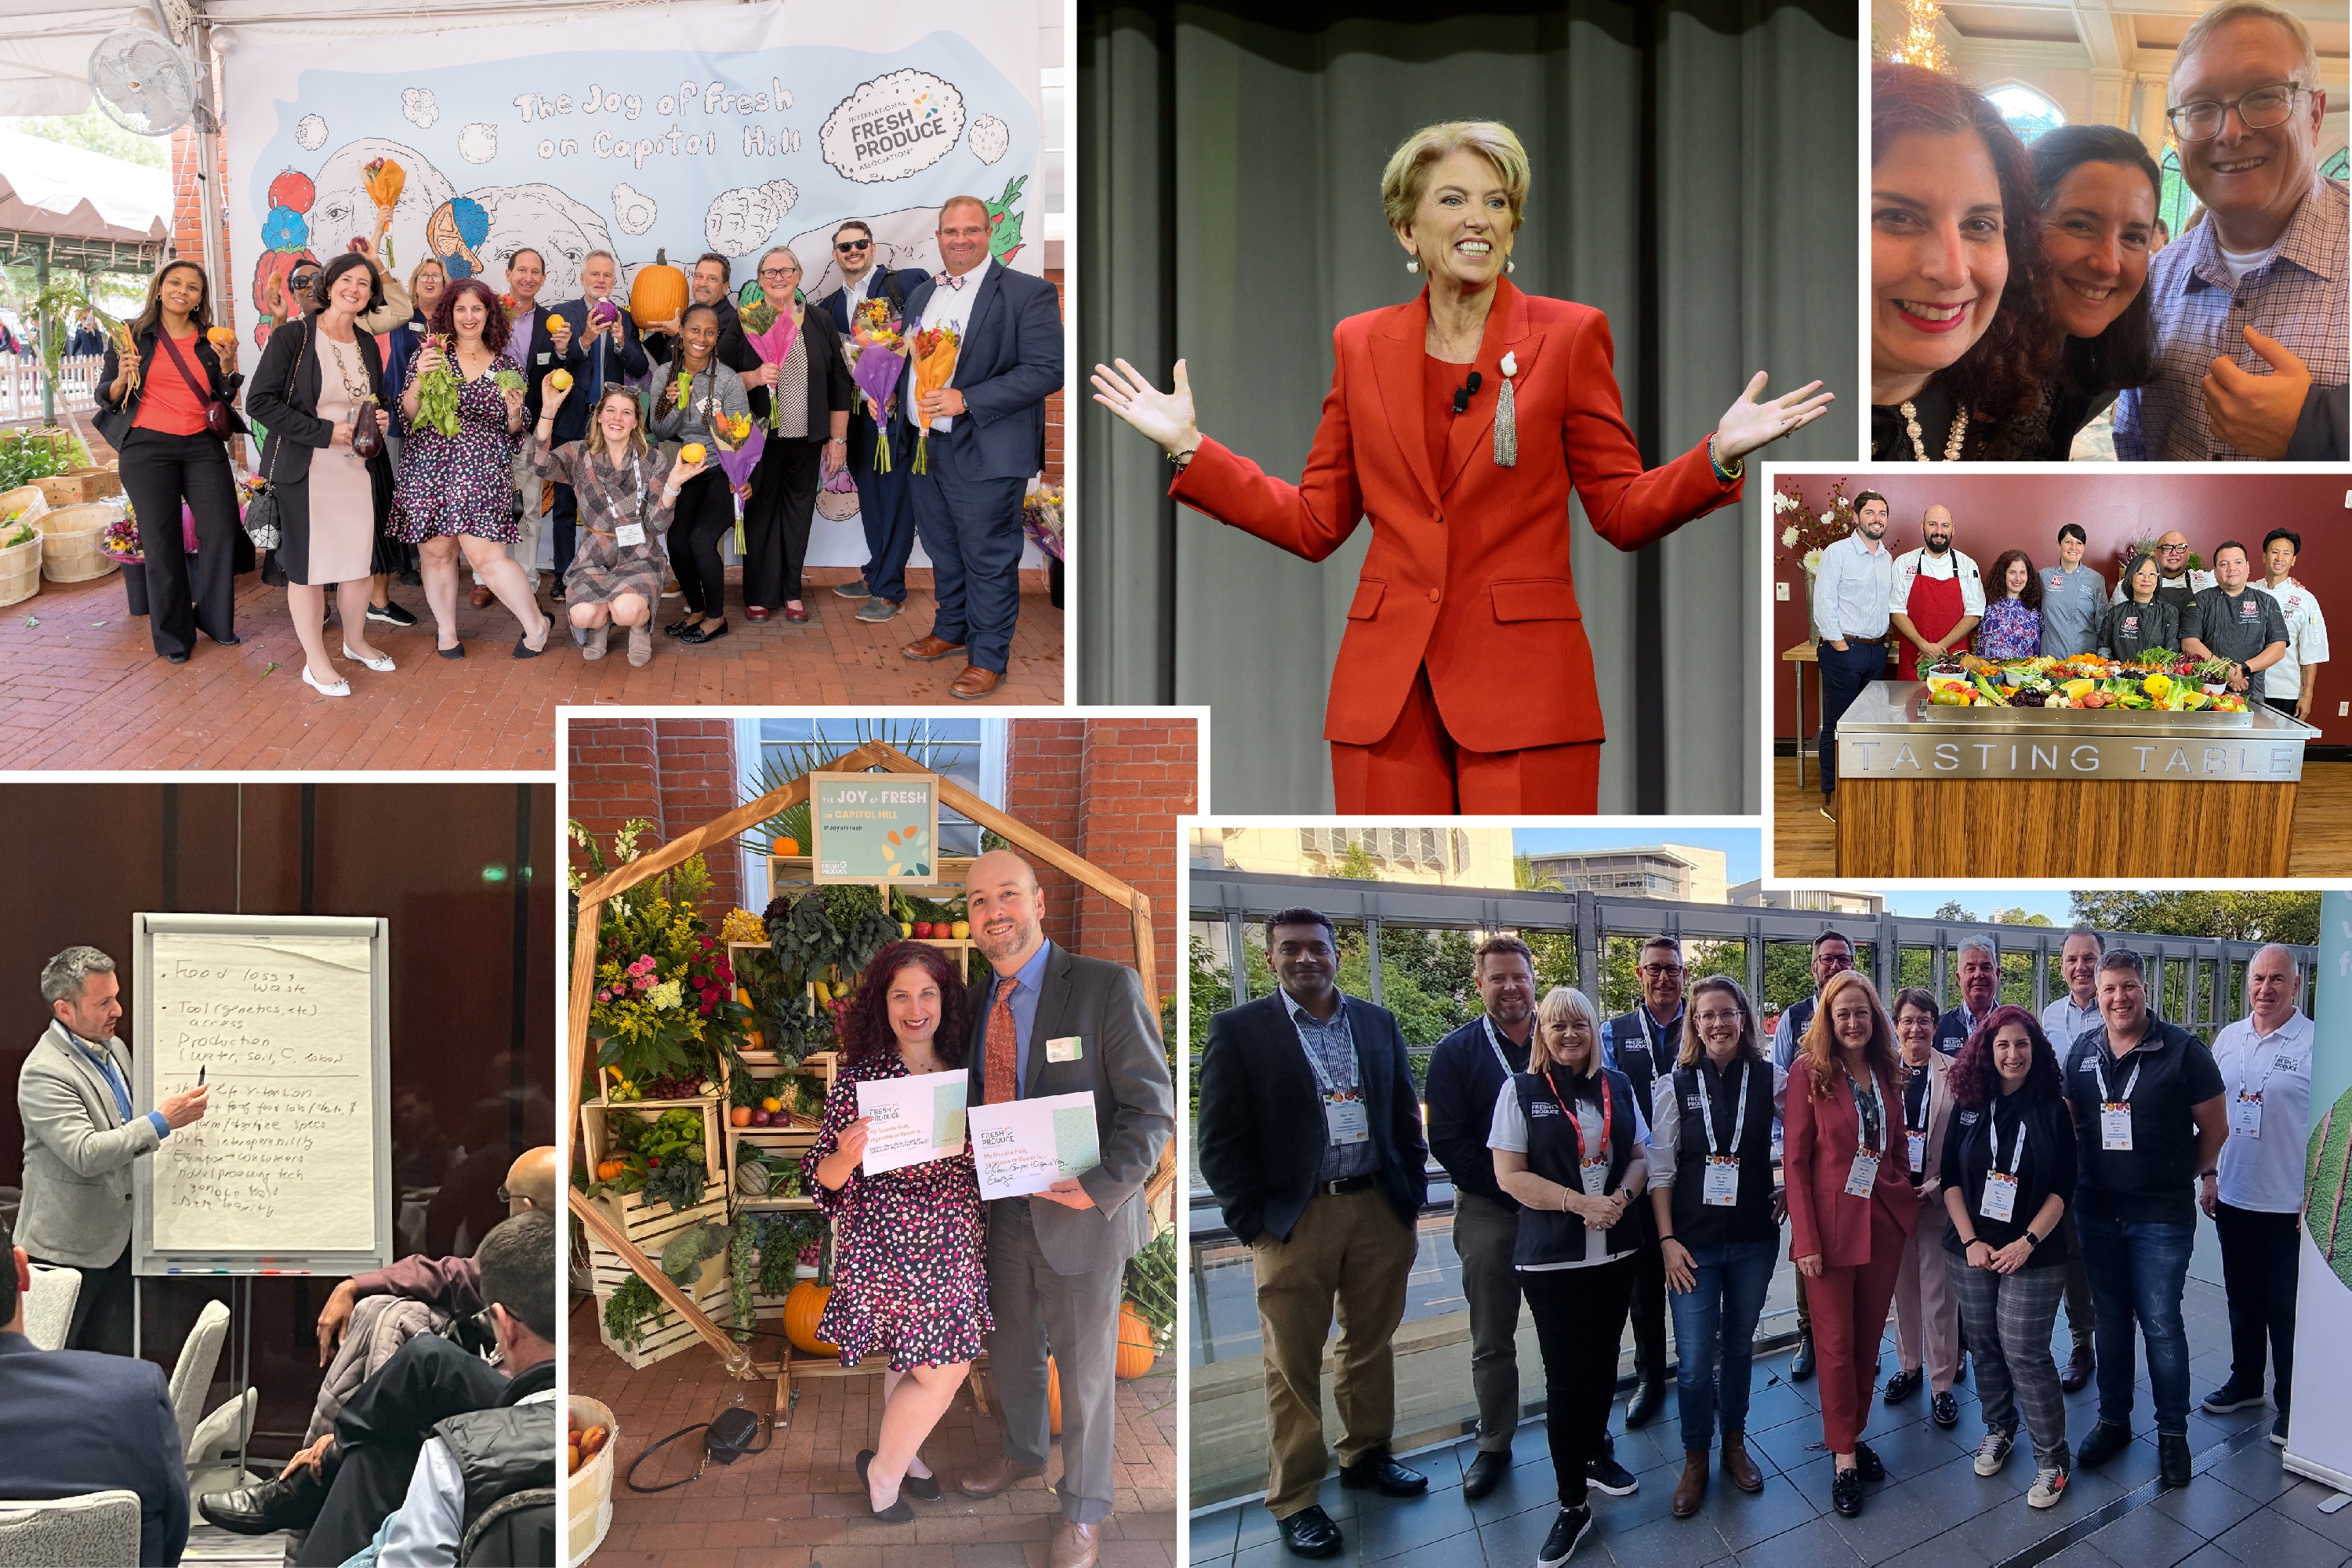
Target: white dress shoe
340, 688
381, 665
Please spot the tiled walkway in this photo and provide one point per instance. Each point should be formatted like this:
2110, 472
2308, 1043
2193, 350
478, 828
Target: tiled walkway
800, 1506
84, 687
1932, 1512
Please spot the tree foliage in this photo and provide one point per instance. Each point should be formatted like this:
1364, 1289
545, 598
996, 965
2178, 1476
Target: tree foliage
2241, 917
92, 131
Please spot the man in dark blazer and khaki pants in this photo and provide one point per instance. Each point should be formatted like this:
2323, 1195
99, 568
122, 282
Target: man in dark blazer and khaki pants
1328, 1219
1048, 1022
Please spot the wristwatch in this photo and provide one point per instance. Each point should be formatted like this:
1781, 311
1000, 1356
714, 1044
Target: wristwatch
2032, 1239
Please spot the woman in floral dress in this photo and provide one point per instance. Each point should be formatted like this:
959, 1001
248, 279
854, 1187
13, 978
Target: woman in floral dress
2012, 627
457, 492
627, 494
910, 1271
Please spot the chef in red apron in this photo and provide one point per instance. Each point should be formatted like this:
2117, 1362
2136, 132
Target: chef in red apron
1939, 594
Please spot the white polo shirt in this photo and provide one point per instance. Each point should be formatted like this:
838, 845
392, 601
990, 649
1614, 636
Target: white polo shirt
2266, 1173
2306, 638
1914, 564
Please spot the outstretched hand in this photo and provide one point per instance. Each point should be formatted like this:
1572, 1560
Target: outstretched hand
1165, 416
1747, 426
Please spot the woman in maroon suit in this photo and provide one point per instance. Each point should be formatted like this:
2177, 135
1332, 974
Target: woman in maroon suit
1851, 1208
1459, 422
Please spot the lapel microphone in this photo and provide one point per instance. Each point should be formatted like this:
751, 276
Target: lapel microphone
1463, 394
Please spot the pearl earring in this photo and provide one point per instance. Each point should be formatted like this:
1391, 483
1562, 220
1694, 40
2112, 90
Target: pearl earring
1412, 264
1509, 265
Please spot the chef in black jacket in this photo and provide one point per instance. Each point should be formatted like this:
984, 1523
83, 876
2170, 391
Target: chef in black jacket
1327, 1220
1642, 1045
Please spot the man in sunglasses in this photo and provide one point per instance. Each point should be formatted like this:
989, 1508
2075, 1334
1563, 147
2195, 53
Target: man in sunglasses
2249, 307
883, 502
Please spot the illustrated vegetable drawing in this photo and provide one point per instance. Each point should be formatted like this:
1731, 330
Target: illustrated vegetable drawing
657, 293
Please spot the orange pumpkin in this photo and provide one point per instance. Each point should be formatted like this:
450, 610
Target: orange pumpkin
657, 293
1135, 1351
803, 1308
607, 1169
788, 846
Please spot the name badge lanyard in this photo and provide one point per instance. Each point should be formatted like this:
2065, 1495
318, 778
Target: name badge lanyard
1865, 1169
1608, 1121
1915, 1139
2246, 1110
2115, 1115
2000, 1186
629, 534
1345, 1118
1496, 1047
1722, 1188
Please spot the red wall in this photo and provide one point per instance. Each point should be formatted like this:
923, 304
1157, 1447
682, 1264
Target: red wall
1993, 512
676, 774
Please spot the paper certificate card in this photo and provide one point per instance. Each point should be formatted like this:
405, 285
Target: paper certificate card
1027, 1145
915, 1119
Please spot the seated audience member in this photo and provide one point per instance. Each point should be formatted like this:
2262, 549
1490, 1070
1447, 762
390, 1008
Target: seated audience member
344, 1486
79, 1421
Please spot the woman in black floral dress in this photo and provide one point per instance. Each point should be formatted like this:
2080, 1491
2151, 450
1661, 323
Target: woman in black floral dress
910, 1273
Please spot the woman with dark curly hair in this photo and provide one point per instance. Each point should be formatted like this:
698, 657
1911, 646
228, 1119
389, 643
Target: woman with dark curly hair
2009, 1175
1960, 342
910, 1275
457, 485
2010, 626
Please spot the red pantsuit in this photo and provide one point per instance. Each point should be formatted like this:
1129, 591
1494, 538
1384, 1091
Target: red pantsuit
1860, 1240
1464, 643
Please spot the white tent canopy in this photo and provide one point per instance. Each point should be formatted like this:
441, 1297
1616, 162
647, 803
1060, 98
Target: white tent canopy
48, 188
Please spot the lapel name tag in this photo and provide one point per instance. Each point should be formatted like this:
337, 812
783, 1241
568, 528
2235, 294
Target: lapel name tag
1347, 1120
628, 534
2246, 1115
1722, 1189
1069, 1049
2000, 1196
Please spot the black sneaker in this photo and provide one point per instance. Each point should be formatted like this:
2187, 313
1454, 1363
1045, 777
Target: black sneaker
1570, 1529
1900, 1386
2107, 1440
2232, 1395
1845, 1493
1602, 1473
1945, 1410
1871, 1466
391, 615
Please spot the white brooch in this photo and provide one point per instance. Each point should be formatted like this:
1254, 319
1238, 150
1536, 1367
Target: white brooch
1506, 424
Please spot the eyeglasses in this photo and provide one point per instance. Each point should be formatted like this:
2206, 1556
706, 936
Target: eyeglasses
849, 244
1662, 968
2172, 549
2257, 110
776, 271
1729, 1016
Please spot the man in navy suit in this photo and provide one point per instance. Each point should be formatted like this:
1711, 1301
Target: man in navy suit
987, 442
884, 503
77, 1421
597, 358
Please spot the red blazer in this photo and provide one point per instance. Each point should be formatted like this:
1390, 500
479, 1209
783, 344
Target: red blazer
1468, 570
1818, 1139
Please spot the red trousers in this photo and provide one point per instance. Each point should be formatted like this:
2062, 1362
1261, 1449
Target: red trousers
1849, 1310
1417, 769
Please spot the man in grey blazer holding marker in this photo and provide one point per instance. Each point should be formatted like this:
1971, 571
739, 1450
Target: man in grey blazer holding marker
81, 1138
1047, 1021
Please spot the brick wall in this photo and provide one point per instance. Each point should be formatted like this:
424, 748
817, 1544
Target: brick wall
1054, 404
678, 773
188, 216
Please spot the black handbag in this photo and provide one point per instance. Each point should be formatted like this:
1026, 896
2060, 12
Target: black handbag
216, 423
261, 511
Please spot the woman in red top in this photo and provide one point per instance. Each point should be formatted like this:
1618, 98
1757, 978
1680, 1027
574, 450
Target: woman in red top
1458, 423
1851, 1208
156, 416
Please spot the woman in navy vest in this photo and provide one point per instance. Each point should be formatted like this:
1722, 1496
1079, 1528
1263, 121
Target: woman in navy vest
1570, 1145
1711, 1189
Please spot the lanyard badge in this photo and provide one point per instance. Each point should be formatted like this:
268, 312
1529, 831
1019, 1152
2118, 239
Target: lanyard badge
1865, 1169
2000, 1186
2115, 1114
1722, 1183
1346, 1119
1594, 1171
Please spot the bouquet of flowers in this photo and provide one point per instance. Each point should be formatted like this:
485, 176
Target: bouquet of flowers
881, 360
1041, 519
664, 1010
771, 331
384, 182
1802, 535
935, 364
120, 541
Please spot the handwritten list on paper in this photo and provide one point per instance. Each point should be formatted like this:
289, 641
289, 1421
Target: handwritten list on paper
283, 1161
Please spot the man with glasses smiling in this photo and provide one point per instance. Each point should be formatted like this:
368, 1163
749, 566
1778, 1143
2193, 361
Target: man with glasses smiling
2177, 582
2249, 306
883, 506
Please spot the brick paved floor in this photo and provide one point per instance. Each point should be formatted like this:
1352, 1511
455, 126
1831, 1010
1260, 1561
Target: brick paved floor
800, 1503
84, 689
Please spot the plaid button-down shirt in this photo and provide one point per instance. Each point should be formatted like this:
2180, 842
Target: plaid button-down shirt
2297, 297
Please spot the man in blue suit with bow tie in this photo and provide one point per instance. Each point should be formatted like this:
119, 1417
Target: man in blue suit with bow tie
883, 505
987, 442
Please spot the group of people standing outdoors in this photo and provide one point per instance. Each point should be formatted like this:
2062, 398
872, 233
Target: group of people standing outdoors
2017, 293
409, 429
1929, 600
1967, 1170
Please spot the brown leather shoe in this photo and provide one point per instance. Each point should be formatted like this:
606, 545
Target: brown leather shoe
1075, 1545
974, 683
1692, 1489
1738, 1466
996, 1474
481, 597
927, 647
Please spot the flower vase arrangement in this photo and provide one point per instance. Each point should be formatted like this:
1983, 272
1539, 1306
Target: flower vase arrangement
1804, 535
882, 351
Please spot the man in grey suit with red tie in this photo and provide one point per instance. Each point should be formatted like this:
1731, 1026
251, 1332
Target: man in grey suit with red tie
1048, 1022
987, 441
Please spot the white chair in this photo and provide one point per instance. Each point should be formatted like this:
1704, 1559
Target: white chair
212, 1451
96, 1529
48, 1310
191, 1379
